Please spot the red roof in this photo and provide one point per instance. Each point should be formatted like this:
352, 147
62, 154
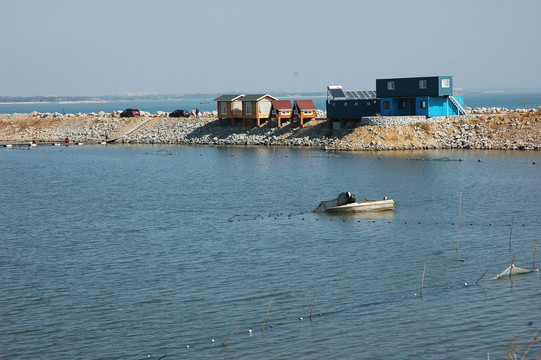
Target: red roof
281, 104
305, 105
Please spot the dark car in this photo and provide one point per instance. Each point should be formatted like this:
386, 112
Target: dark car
180, 113
130, 113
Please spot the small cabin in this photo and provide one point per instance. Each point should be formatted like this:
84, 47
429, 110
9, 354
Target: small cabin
303, 110
280, 111
229, 107
256, 107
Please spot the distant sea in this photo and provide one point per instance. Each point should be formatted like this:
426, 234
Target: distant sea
510, 100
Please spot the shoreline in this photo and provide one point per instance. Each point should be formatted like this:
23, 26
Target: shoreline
490, 131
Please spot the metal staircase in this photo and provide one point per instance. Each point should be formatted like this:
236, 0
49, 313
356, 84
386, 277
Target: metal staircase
460, 108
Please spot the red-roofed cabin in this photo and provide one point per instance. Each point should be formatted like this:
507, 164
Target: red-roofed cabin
281, 111
303, 110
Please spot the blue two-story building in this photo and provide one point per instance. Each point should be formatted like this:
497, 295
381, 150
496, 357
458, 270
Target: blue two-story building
425, 96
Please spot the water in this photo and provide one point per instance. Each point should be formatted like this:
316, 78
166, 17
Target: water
530, 100
117, 252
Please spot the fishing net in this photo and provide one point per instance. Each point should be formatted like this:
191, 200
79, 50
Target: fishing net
512, 271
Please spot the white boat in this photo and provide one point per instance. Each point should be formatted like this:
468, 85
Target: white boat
346, 203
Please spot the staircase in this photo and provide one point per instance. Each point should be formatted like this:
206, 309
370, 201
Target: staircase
460, 108
139, 126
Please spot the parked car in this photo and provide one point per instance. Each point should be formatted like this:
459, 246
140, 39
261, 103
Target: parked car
130, 113
180, 113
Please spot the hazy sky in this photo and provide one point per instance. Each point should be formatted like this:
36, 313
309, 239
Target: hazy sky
95, 47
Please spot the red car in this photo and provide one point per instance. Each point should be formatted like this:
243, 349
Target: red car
130, 113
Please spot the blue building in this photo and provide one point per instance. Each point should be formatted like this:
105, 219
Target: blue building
418, 96
425, 96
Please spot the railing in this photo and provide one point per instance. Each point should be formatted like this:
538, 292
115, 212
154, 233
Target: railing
460, 108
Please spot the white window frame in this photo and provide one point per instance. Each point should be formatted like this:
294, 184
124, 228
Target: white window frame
390, 85
422, 84
445, 83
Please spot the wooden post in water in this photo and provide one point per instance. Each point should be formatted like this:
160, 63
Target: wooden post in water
458, 227
265, 319
313, 304
482, 275
534, 252
511, 233
512, 264
422, 282
234, 331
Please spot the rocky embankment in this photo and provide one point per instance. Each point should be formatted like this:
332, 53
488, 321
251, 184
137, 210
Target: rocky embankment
508, 130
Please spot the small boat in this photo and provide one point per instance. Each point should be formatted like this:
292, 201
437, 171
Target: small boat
346, 203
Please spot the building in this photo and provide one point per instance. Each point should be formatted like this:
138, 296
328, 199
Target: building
256, 107
246, 107
229, 107
280, 111
350, 105
303, 110
417, 96
425, 96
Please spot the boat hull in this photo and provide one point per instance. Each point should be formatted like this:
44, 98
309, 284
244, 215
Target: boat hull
377, 205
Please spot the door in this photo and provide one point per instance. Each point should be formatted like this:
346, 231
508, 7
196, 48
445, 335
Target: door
412, 107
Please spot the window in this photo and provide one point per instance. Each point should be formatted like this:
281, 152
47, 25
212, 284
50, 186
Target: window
264, 106
390, 85
345, 103
422, 104
356, 103
224, 108
368, 103
248, 108
307, 112
386, 104
401, 104
422, 84
237, 107
445, 83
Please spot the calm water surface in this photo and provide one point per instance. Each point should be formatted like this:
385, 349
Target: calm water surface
119, 252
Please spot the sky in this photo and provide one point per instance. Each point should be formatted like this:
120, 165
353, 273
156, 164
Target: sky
110, 47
